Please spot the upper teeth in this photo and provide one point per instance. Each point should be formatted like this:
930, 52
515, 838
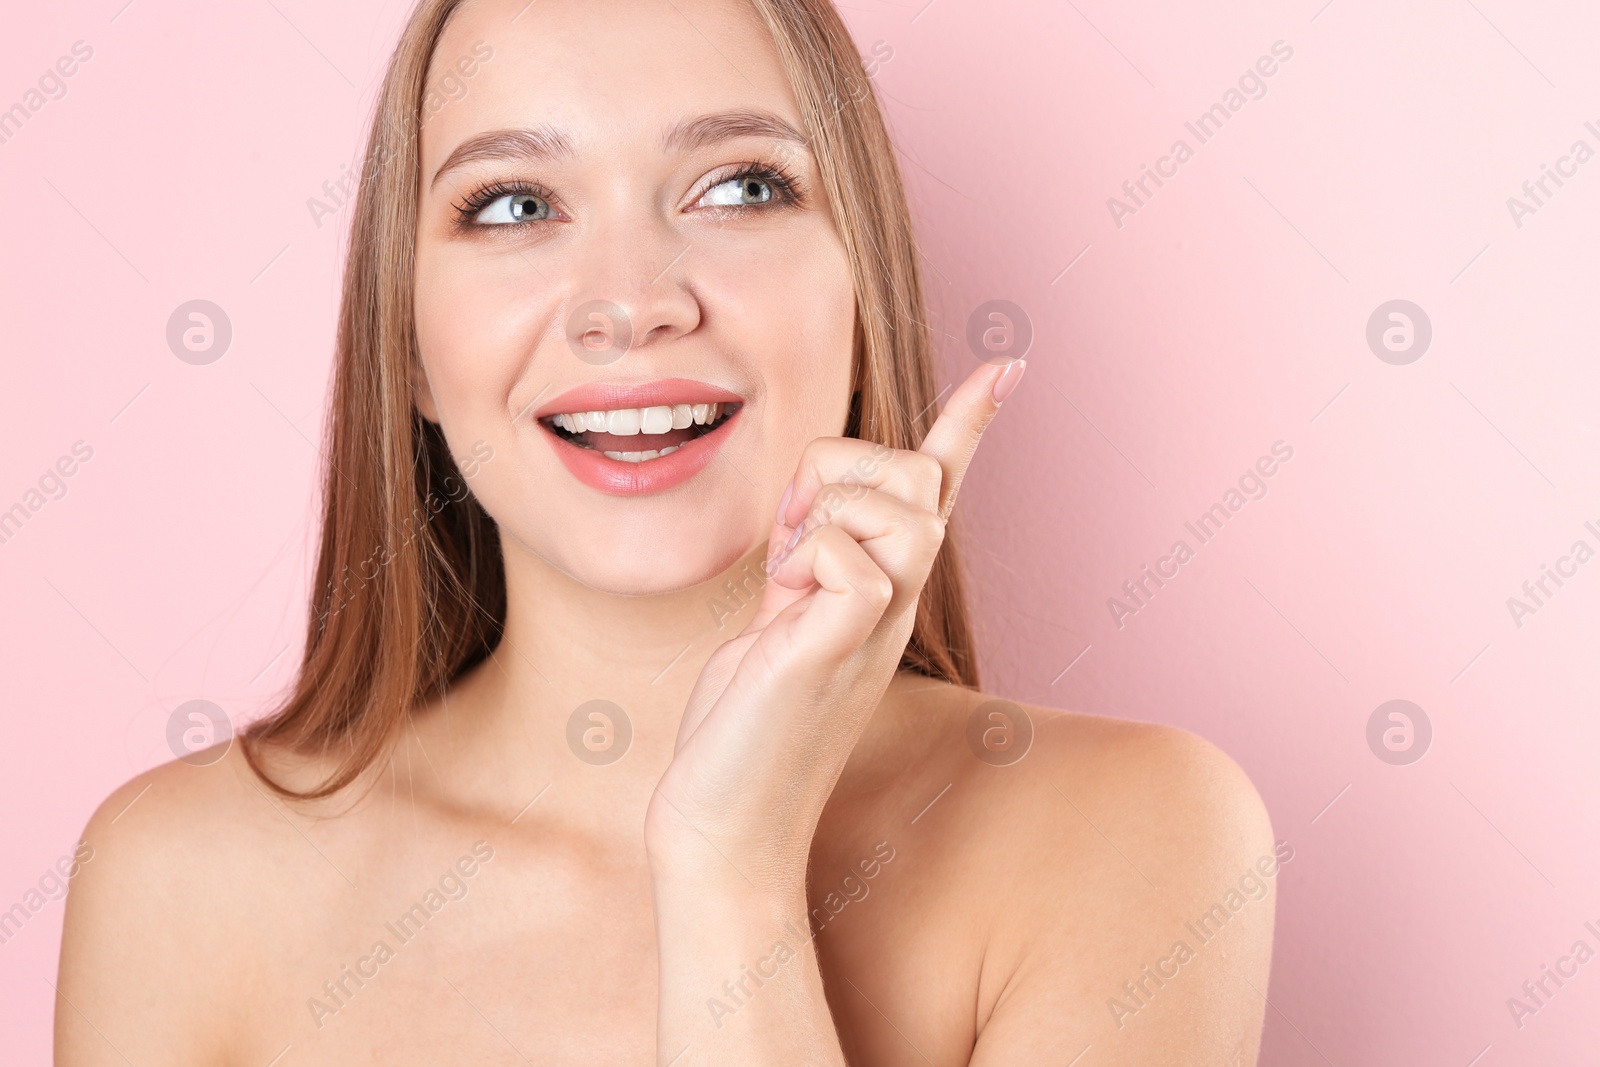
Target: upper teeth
626, 422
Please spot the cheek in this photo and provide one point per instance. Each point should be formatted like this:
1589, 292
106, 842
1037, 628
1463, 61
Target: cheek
820, 369
808, 283
477, 324
789, 308
478, 319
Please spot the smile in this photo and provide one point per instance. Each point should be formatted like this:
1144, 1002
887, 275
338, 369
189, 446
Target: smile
620, 432
633, 439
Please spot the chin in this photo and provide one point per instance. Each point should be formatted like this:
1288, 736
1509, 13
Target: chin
647, 561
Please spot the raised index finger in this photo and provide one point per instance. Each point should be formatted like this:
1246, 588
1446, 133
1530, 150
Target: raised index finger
954, 436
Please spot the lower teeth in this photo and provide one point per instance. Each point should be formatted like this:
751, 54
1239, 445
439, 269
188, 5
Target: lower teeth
640, 457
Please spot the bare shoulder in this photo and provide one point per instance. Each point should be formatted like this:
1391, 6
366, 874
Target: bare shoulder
177, 869
1104, 855
1167, 788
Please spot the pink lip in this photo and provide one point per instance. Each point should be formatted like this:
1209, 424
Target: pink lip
609, 396
618, 477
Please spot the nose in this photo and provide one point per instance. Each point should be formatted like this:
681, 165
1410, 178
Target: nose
631, 289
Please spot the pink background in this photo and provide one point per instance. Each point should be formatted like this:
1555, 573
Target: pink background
1228, 313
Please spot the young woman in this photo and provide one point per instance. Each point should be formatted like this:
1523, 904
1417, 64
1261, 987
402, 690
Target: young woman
638, 720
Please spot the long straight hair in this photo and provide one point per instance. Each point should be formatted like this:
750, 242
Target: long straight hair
410, 580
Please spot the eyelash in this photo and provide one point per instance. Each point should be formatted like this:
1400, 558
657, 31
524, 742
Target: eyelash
787, 188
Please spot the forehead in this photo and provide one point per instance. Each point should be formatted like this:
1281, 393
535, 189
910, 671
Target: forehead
610, 74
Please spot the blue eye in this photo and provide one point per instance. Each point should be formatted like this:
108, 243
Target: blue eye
740, 191
503, 204
512, 207
753, 185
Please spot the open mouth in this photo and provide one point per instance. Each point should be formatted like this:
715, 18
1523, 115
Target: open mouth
639, 435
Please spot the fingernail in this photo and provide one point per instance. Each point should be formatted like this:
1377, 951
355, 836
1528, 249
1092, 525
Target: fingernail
1008, 379
794, 539
783, 505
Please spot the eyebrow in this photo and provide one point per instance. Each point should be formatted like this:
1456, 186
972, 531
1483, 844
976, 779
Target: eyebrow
546, 143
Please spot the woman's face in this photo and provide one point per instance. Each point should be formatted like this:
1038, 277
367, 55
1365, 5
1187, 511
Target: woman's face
592, 239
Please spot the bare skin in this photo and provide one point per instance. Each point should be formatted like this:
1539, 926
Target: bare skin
800, 857
211, 916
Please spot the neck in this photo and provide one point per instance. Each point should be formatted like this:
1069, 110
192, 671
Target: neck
504, 732
566, 644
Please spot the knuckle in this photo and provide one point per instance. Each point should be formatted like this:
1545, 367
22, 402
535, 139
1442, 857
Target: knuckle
829, 499
926, 476
813, 454
878, 589
920, 527
925, 467
832, 541
818, 445
864, 467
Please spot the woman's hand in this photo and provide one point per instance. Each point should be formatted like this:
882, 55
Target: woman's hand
778, 709
767, 730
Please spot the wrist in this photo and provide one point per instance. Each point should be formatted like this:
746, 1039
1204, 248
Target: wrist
687, 872
722, 924
701, 857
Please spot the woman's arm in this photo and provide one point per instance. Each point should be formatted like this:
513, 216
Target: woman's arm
769, 727
740, 982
